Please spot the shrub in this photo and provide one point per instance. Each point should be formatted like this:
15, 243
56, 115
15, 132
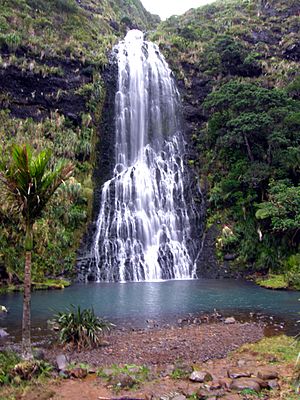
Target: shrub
292, 271
81, 328
8, 360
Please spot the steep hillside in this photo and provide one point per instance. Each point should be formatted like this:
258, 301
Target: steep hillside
237, 62
52, 57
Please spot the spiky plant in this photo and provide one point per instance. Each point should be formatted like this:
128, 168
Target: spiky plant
81, 328
27, 182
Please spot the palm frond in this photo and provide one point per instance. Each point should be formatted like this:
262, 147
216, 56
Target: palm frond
27, 181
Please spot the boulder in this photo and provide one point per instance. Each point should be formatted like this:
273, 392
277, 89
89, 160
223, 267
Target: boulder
62, 362
230, 320
245, 383
200, 376
267, 373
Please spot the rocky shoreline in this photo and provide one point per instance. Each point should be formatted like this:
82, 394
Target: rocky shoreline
164, 346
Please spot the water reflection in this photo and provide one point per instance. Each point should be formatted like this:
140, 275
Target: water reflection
134, 303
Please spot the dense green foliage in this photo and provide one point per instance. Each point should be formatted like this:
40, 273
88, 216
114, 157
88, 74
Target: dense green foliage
81, 328
62, 46
245, 54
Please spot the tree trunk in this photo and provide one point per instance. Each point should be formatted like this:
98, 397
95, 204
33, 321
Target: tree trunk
250, 155
26, 323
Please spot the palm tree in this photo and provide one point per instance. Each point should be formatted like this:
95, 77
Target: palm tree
27, 183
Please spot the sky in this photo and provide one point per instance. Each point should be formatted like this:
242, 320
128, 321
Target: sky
166, 8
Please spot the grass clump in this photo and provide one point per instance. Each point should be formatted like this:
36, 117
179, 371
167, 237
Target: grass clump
282, 348
81, 328
51, 284
273, 282
14, 371
127, 376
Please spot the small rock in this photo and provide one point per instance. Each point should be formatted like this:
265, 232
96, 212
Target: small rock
225, 382
241, 363
202, 394
78, 373
267, 374
39, 354
107, 372
231, 397
263, 384
3, 333
170, 368
123, 381
62, 362
215, 386
237, 373
230, 320
179, 397
189, 391
200, 376
273, 384
245, 383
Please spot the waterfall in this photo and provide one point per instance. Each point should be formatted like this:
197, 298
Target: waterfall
143, 230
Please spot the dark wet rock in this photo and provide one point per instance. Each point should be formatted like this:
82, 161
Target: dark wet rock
230, 257
36, 96
200, 376
267, 373
62, 362
245, 383
238, 373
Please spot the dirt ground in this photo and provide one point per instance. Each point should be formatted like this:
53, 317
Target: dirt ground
167, 352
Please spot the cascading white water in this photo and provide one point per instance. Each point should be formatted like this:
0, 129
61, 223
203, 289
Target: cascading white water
143, 227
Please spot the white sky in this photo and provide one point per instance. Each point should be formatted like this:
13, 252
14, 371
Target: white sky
166, 8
